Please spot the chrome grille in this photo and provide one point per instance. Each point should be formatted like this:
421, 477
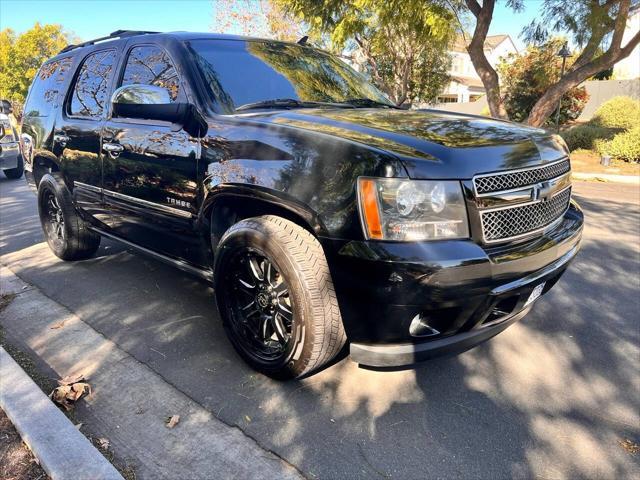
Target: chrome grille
519, 178
512, 222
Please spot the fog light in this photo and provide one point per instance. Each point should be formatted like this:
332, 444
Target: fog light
420, 328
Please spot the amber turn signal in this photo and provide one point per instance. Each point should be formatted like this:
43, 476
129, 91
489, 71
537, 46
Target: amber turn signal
370, 208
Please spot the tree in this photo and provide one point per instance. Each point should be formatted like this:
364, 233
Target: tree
256, 18
598, 27
593, 24
526, 77
402, 44
22, 55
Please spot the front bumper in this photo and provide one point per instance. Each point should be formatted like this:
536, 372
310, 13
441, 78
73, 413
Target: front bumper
456, 286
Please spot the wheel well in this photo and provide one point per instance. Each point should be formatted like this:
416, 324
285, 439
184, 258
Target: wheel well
230, 210
42, 165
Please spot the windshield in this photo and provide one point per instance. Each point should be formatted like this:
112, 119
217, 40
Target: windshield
242, 73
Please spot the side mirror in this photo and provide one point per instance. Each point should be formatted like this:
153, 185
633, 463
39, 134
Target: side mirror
150, 102
5, 107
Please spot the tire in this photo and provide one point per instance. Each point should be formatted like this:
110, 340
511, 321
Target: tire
292, 261
66, 233
15, 173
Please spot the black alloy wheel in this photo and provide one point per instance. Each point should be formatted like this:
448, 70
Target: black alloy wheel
53, 221
259, 306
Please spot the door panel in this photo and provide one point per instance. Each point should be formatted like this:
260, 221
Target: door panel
77, 132
151, 187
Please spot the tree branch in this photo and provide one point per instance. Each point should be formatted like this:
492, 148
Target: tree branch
474, 6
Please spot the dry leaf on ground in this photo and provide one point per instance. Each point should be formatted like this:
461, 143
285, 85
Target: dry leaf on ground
173, 421
58, 325
69, 391
103, 443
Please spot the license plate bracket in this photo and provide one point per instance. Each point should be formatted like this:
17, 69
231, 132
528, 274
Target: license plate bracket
535, 294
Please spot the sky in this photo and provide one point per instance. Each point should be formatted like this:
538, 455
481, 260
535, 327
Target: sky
89, 19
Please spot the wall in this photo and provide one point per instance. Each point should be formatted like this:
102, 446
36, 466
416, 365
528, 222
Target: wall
601, 91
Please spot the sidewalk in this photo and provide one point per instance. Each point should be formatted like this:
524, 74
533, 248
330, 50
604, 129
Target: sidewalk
607, 177
131, 403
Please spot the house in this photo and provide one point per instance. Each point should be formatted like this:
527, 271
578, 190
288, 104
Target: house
629, 68
465, 85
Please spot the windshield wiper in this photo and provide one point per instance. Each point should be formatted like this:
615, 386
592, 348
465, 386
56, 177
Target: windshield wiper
367, 102
285, 103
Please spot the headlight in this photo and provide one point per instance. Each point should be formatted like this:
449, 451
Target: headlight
411, 210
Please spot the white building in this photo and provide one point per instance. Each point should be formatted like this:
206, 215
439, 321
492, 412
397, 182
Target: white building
466, 85
629, 68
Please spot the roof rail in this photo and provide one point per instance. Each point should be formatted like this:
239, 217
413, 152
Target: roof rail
112, 35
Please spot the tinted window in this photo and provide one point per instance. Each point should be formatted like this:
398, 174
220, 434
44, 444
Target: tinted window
46, 87
149, 65
89, 97
239, 73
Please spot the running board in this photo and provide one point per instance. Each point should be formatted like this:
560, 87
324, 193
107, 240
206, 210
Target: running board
182, 265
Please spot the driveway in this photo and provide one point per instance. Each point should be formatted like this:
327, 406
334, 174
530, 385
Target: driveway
553, 396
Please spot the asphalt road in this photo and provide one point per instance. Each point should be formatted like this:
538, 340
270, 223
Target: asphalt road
553, 396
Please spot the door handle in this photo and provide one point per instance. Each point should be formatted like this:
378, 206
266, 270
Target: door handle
114, 149
61, 139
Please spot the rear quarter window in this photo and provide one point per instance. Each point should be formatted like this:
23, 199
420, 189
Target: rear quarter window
46, 87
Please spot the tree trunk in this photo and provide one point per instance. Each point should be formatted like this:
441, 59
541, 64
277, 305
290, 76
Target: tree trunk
487, 73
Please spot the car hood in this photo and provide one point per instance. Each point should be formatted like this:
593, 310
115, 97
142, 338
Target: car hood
431, 143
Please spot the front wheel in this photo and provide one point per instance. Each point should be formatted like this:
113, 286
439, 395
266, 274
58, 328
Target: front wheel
66, 233
276, 297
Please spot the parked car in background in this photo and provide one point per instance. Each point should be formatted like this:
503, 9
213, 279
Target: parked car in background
10, 159
320, 211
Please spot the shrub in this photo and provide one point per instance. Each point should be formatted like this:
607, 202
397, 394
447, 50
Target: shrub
623, 146
585, 136
619, 112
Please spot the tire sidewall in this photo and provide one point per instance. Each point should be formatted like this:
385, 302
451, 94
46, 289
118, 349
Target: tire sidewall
294, 362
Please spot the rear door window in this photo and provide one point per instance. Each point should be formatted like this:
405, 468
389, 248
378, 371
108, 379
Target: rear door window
151, 65
89, 96
46, 87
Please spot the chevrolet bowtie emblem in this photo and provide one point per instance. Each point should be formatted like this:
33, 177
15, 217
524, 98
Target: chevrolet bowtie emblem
541, 191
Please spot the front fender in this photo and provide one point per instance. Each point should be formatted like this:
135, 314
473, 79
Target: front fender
248, 195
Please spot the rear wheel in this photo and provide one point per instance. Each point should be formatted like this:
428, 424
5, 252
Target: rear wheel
67, 234
276, 297
15, 173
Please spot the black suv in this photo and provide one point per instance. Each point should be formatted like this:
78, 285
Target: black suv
320, 211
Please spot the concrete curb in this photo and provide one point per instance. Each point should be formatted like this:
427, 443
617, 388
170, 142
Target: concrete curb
628, 179
63, 452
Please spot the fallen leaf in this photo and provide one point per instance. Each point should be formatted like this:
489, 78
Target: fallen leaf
78, 426
68, 393
58, 325
630, 446
80, 389
103, 443
173, 421
332, 420
247, 418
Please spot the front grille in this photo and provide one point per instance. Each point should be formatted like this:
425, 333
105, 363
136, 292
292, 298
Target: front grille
519, 178
517, 221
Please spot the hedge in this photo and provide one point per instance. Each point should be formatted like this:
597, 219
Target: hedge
619, 112
623, 146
